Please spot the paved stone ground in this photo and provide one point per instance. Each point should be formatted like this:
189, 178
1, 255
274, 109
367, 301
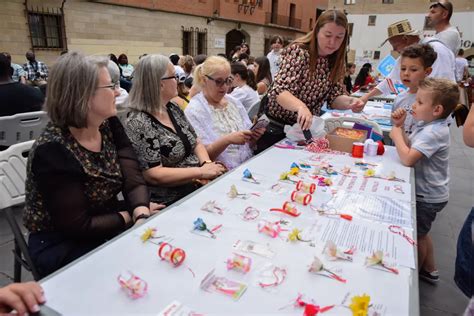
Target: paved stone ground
442, 299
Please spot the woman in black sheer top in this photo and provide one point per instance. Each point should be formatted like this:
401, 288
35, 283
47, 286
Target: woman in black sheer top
78, 165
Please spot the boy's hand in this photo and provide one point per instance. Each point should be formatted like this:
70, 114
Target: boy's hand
398, 117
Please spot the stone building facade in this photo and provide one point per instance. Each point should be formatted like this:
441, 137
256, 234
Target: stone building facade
135, 27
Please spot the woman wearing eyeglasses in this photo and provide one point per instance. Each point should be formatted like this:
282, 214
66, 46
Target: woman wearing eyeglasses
220, 120
166, 144
78, 165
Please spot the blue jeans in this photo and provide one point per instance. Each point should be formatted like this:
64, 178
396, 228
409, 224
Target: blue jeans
464, 268
51, 251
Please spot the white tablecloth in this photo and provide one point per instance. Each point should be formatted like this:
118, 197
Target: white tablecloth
89, 286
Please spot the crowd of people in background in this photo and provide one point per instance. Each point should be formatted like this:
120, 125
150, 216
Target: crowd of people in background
188, 123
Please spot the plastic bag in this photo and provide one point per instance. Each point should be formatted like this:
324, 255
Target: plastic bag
295, 133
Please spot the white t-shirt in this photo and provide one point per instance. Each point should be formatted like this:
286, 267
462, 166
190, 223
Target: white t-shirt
461, 64
451, 38
443, 67
405, 100
246, 95
274, 59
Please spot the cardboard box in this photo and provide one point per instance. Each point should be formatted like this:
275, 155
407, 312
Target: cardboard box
342, 138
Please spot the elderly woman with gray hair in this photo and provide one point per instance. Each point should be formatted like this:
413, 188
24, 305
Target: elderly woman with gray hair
166, 144
78, 165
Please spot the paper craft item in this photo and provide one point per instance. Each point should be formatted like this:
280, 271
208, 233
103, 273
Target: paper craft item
307, 187
177, 308
333, 253
288, 209
171, 254
269, 228
249, 177
377, 261
250, 213
134, 286
212, 207
254, 248
239, 263
301, 197
318, 268
217, 284
271, 276
200, 228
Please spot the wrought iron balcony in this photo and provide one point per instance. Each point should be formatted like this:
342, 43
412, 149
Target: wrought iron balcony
282, 20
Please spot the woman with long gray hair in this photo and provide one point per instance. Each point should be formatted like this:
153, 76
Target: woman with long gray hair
166, 144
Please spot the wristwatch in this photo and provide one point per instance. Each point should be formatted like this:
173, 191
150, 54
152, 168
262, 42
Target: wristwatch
205, 162
142, 216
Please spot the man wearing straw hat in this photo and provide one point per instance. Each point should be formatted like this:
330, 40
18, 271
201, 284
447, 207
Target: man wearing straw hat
438, 17
401, 35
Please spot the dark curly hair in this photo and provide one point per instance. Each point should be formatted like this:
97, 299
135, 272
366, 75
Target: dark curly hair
423, 51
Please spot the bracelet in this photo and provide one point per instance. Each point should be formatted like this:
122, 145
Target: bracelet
205, 162
142, 216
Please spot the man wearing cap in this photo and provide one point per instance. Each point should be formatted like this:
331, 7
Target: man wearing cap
401, 35
438, 17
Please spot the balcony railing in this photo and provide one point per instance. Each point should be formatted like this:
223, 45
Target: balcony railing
282, 20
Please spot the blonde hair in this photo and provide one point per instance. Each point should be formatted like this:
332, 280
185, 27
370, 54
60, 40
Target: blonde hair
145, 94
187, 63
212, 65
443, 91
72, 82
310, 42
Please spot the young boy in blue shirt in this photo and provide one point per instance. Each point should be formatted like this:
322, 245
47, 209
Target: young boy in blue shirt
427, 150
415, 65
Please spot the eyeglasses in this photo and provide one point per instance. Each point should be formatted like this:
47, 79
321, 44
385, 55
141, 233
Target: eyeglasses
112, 86
220, 82
171, 77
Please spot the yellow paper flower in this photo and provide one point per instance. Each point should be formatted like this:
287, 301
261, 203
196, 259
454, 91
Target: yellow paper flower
369, 173
149, 233
294, 171
284, 176
360, 305
294, 235
328, 182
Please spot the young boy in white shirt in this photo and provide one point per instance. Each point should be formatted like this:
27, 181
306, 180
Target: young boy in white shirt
416, 62
427, 150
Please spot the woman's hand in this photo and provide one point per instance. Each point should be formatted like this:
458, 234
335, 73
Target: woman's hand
398, 117
22, 297
239, 137
305, 118
212, 170
257, 133
155, 207
357, 105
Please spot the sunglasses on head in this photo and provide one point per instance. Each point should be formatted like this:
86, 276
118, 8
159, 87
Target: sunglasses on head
438, 4
220, 82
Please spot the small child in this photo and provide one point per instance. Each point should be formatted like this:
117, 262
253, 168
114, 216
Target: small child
427, 149
416, 62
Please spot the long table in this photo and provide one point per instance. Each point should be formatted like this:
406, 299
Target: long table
89, 285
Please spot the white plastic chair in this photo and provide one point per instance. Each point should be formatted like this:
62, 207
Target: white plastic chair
12, 192
253, 110
334, 122
22, 127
